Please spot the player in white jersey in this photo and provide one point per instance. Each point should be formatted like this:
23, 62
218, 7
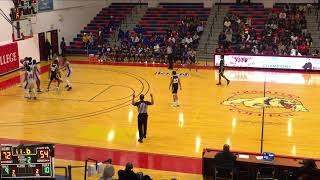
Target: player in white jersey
68, 69
36, 72
29, 86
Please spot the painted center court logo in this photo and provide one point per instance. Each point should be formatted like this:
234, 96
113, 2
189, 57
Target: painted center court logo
276, 104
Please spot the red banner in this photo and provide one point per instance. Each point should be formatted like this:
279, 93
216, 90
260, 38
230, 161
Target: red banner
9, 58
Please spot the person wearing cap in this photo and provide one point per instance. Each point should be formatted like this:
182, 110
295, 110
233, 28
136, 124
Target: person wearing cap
108, 172
143, 115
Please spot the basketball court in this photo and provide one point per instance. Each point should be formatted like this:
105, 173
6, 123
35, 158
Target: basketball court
257, 112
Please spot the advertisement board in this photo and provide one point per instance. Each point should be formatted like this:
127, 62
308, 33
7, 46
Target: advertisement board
270, 62
9, 58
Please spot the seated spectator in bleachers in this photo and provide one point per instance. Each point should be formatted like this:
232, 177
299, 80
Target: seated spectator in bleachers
315, 52
284, 28
227, 23
128, 173
120, 35
200, 29
108, 173
225, 158
85, 39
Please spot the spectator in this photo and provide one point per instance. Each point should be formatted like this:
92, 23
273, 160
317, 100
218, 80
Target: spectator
282, 15
47, 50
188, 40
108, 173
308, 170
85, 39
255, 50
195, 38
120, 35
91, 41
128, 173
63, 47
227, 23
146, 177
200, 29
225, 158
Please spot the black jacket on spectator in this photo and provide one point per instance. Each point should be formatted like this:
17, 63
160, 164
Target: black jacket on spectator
225, 159
127, 175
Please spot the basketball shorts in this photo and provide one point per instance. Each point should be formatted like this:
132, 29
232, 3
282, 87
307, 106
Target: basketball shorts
174, 88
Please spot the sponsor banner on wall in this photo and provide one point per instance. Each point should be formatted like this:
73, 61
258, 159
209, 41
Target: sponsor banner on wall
9, 58
270, 62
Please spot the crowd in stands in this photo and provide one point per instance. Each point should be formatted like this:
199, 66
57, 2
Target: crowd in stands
178, 42
92, 40
285, 33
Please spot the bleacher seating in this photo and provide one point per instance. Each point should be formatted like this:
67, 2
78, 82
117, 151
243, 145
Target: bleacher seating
280, 30
256, 12
158, 20
119, 11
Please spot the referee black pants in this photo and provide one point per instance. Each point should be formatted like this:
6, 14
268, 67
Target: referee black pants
142, 124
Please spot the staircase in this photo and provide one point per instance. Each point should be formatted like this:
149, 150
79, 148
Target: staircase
312, 24
119, 12
209, 41
131, 21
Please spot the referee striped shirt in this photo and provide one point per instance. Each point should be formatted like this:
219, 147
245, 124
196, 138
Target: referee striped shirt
142, 106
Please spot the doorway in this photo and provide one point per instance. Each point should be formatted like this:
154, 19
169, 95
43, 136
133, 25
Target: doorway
52, 37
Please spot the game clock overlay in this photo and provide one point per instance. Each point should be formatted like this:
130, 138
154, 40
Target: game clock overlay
27, 161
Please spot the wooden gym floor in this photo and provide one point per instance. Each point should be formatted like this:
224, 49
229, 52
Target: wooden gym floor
258, 111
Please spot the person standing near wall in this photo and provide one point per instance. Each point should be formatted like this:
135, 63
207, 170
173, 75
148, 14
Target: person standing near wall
63, 47
47, 50
143, 115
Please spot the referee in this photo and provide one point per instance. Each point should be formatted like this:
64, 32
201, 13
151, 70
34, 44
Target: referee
143, 115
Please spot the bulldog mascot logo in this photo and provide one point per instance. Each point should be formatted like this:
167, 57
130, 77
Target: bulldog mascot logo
275, 103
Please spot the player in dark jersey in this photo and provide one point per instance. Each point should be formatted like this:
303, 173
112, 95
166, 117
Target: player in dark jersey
221, 71
54, 74
174, 86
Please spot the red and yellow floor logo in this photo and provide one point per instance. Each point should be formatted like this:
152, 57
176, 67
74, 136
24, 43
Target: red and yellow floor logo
275, 103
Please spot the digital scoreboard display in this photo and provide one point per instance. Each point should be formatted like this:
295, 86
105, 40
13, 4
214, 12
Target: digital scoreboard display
27, 161
23, 8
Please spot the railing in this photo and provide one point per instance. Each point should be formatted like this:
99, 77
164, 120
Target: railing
317, 9
212, 26
70, 170
65, 171
86, 166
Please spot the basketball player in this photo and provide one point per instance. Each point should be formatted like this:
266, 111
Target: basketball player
221, 71
54, 74
174, 85
24, 62
67, 67
36, 73
29, 87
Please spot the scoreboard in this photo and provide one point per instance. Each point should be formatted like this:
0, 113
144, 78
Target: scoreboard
27, 161
23, 8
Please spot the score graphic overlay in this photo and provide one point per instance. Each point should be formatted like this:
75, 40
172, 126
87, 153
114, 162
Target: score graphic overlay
27, 161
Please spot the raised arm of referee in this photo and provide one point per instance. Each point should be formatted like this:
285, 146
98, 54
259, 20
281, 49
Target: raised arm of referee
142, 115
